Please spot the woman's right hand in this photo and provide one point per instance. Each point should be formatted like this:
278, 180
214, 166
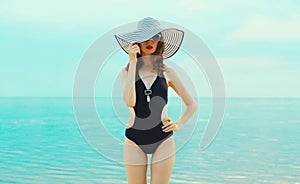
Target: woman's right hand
133, 49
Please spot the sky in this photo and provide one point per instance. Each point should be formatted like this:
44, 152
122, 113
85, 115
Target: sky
255, 43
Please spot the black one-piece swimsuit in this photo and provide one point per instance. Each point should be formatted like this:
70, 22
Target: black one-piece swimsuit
146, 131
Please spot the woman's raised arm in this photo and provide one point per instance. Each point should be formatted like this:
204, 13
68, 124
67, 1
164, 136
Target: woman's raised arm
128, 84
128, 77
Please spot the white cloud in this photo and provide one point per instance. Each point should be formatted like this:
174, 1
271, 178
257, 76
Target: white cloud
267, 28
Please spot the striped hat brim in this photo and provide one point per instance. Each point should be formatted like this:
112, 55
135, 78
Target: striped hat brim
172, 38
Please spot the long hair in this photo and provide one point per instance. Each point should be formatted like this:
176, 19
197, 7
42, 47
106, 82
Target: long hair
158, 65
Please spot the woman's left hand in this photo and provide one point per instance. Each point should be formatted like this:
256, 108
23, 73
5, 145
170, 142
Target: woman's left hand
169, 125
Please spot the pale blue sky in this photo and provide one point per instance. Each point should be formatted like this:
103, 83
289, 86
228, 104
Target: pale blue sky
256, 43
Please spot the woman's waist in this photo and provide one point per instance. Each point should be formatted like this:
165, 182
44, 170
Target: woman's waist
145, 122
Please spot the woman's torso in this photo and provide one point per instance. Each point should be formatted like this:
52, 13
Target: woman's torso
159, 86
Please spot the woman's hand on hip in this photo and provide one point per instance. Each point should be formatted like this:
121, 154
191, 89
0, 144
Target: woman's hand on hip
169, 125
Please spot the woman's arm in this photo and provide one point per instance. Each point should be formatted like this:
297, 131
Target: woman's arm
128, 78
179, 88
128, 84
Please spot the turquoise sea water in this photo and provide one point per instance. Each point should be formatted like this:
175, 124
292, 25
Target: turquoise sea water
259, 142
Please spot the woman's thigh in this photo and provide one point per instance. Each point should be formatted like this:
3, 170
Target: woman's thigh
135, 162
162, 162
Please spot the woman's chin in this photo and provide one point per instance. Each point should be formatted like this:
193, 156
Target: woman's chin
147, 53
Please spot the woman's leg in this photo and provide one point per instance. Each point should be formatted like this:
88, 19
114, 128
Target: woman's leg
136, 163
163, 161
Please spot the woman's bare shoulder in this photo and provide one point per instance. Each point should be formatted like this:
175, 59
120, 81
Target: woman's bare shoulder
169, 71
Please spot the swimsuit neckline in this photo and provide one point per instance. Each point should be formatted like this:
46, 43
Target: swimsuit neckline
144, 83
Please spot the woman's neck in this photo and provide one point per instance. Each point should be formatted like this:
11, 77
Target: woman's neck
148, 62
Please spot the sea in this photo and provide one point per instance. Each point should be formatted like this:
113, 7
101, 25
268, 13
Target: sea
62, 140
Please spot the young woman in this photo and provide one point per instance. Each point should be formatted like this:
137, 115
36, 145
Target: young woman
145, 81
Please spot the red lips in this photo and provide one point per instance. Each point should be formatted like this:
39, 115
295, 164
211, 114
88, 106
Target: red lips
149, 47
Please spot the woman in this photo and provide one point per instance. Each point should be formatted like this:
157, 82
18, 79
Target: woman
145, 83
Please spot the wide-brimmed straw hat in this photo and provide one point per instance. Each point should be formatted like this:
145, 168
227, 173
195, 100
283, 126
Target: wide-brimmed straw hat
146, 29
